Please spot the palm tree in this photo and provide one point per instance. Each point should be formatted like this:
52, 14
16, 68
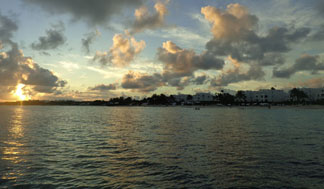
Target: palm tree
297, 95
240, 96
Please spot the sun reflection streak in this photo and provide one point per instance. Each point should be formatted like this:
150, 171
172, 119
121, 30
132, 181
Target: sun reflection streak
14, 148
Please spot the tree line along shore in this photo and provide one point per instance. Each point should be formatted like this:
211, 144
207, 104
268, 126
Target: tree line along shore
241, 98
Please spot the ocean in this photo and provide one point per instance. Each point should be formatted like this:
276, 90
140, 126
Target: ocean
161, 147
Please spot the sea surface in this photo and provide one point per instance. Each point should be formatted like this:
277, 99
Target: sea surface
161, 147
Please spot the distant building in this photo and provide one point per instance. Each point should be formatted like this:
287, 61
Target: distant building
314, 94
180, 97
202, 97
266, 95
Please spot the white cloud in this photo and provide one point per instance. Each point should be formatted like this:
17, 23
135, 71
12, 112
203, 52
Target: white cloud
70, 66
182, 36
203, 22
106, 74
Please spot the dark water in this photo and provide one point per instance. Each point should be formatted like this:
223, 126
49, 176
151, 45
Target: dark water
166, 147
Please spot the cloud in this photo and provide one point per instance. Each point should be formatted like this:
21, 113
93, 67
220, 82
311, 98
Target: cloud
16, 69
232, 24
70, 66
235, 35
311, 83
125, 48
259, 49
184, 62
106, 74
304, 63
179, 82
141, 82
45, 53
145, 20
180, 64
97, 12
319, 34
199, 80
279, 38
7, 27
53, 39
319, 6
103, 87
6, 93
89, 39
235, 75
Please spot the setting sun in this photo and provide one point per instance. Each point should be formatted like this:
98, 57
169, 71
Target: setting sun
20, 93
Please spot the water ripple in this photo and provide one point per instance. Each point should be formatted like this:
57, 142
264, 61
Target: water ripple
160, 147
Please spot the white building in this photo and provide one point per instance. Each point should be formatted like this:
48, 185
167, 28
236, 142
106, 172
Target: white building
202, 97
314, 94
266, 95
180, 97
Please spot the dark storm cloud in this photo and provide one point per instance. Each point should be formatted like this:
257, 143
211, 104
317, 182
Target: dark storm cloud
141, 82
16, 68
7, 27
304, 63
103, 87
93, 12
53, 39
88, 40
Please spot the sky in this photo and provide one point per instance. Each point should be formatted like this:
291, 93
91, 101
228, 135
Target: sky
88, 50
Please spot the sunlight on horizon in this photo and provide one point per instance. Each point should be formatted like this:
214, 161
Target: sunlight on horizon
20, 93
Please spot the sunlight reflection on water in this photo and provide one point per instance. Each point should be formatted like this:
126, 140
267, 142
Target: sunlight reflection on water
13, 149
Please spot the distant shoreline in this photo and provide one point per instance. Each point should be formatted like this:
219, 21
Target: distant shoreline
186, 106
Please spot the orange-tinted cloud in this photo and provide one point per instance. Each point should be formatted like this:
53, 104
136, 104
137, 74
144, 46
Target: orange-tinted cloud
311, 83
104, 87
141, 82
237, 74
184, 62
145, 20
125, 48
16, 69
231, 24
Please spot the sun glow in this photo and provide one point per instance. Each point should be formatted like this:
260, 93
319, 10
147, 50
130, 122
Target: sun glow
20, 92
